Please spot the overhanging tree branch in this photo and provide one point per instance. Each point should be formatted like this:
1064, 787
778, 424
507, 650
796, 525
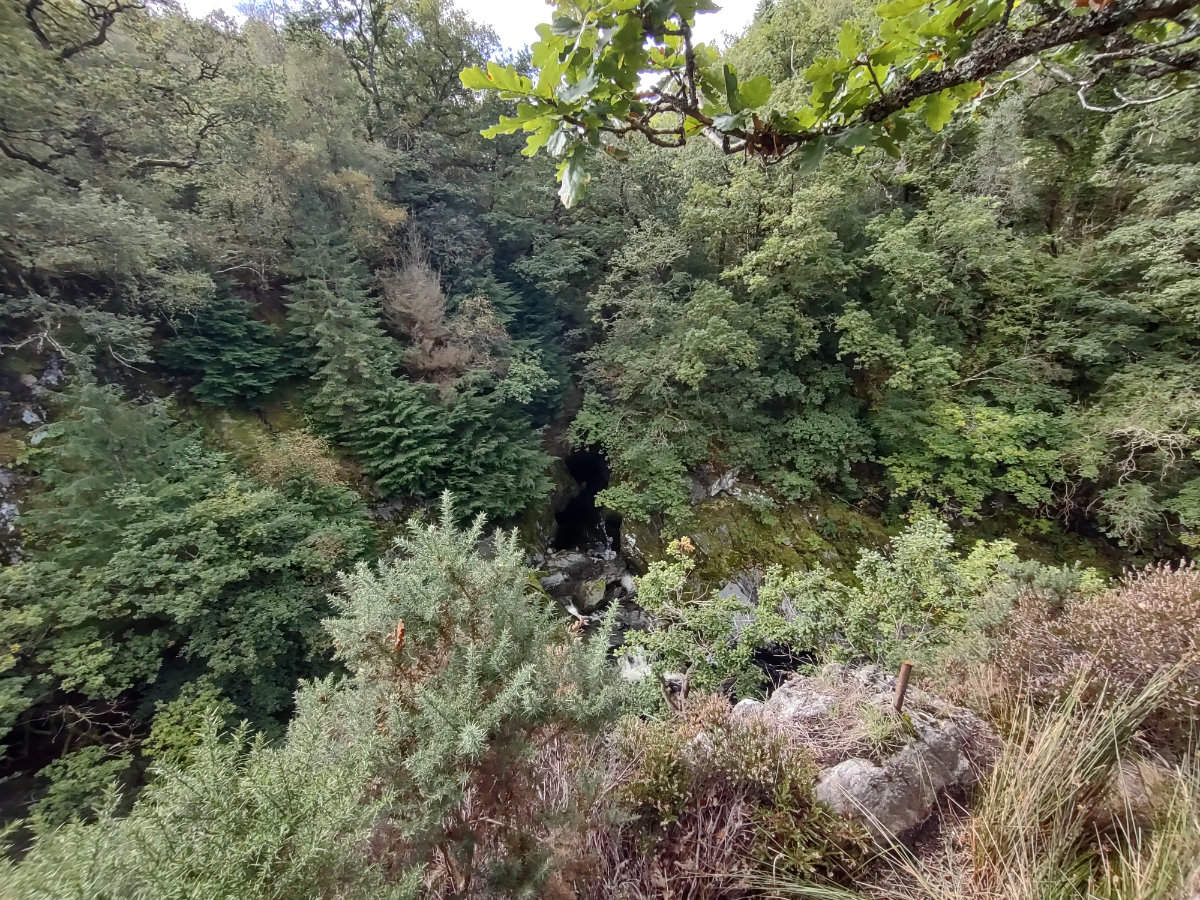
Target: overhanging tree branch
994, 51
931, 56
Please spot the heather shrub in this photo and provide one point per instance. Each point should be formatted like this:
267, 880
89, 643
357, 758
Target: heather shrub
713, 803
1113, 640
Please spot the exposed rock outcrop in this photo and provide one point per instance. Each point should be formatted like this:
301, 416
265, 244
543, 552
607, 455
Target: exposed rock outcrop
586, 583
898, 794
886, 770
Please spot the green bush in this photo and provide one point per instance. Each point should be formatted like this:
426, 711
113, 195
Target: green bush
461, 666
417, 770
154, 562
239, 819
919, 596
78, 785
230, 356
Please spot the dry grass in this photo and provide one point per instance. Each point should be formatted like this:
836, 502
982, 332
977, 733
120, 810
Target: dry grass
1161, 859
854, 725
1069, 812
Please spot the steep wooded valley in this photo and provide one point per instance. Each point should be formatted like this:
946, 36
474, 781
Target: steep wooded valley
433, 469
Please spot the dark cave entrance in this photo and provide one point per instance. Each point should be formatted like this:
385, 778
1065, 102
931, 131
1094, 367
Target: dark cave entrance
582, 524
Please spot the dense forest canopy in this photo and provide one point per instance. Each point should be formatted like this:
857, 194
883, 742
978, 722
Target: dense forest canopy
271, 285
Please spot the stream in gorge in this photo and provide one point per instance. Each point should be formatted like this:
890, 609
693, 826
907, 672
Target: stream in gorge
584, 568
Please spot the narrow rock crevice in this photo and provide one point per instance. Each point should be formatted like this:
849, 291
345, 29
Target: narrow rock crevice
581, 523
583, 566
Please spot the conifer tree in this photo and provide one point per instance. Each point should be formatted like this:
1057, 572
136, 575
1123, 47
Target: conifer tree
412, 443
335, 321
499, 468
231, 354
402, 439
394, 427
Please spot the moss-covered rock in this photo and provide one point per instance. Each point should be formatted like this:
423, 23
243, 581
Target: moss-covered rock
537, 526
735, 533
733, 536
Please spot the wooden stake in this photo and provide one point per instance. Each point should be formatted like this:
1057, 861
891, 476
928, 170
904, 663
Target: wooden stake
902, 684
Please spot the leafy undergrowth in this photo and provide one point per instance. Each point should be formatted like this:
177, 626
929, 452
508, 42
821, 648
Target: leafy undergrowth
1096, 789
735, 535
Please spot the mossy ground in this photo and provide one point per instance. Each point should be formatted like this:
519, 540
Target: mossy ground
1048, 541
239, 430
732, 535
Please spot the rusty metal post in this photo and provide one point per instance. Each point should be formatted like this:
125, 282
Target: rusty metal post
902, 684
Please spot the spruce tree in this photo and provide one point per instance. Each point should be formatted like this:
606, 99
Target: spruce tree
394, 428
231, 356
403, 440
499, 468
335, 321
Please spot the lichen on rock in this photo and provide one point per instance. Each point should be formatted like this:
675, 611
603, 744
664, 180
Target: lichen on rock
885, 770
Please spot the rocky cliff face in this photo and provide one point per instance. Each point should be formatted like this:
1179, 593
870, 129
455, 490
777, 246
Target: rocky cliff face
22, 424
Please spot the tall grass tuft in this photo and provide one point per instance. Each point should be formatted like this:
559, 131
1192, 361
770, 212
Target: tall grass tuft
1060, 817
1162, 862
1031, 834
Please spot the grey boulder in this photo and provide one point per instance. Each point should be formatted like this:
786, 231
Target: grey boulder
899, 794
